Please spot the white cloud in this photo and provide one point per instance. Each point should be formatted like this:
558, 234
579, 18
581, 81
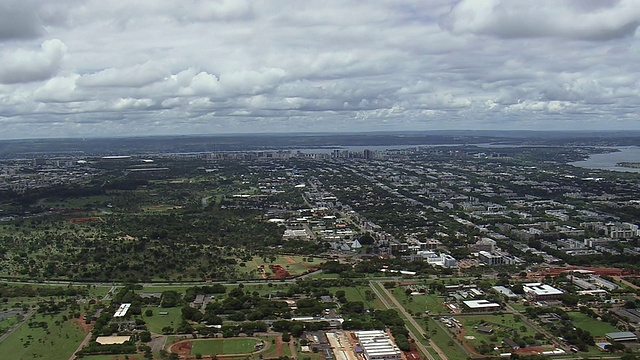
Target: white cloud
58, 89
135, 76
575, 19
214, 10
174, 66
20, 65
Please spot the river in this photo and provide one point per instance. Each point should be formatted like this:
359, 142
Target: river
609, 161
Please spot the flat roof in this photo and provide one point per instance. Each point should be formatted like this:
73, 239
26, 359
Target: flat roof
622, 336
480, 304
505, 291
122, 310
541, 289
110, 340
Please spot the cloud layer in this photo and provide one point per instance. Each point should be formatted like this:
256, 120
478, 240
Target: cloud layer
95, 68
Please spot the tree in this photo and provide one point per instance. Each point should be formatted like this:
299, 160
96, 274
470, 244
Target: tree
145, 336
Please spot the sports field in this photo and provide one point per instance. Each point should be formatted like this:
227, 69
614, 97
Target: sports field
595, 327
224, 346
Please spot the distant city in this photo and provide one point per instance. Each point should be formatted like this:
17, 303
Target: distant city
358, 246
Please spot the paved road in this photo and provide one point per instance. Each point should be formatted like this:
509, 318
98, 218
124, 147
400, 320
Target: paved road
157, 343
396, 305
82, 344
539, 329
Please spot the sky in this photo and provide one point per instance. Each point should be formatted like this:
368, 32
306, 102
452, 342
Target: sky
83, 68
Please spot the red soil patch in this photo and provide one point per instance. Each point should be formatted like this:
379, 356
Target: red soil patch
413, 355
279, 345
533, 350
279, 272
82, 326
182, 348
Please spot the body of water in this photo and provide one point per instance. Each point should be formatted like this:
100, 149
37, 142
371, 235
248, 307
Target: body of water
609, 161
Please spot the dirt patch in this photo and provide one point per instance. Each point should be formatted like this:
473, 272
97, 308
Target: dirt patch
533, 350
279, 345
290, 260
413, 355
279, 272
182, 348
82, 326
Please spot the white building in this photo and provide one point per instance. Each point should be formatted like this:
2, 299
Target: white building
481, 305
377, 345
490, 259
539, 291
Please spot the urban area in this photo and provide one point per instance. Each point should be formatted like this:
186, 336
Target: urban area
416, 252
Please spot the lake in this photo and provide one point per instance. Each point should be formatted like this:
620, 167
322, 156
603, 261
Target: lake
608, 161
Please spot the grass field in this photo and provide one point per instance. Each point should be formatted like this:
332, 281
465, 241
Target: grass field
224, 346
595, 327
156, 322
503, 326
113, 357
443, 341
358, 293
58, 342
419, 303
159, 289
295, 268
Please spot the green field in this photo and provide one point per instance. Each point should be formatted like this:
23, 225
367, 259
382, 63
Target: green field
504, 326
224, 346
161, 288
156, 322
58, 341
251, 267
442, 340
595, 327
113, 357
358, 293
418, 304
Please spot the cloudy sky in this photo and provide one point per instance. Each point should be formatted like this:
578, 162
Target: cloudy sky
146, 67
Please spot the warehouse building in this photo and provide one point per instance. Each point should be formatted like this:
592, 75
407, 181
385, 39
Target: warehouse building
377, 345
621, 336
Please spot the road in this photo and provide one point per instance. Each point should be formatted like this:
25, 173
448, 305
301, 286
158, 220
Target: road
539, 329
421, 335
82, 344
16, 326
